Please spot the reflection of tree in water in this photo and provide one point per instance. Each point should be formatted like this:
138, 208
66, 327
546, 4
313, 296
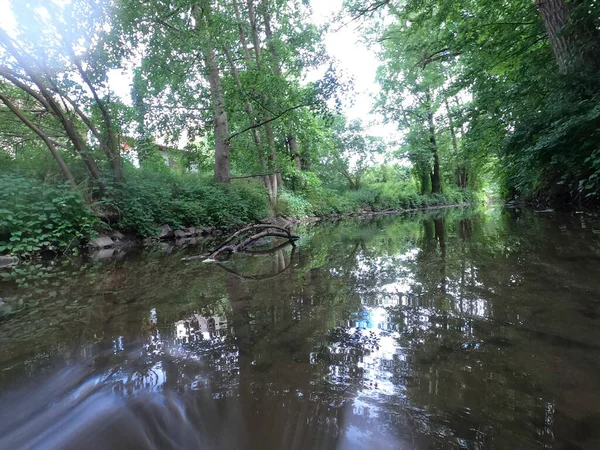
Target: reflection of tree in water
442, 331
342, 352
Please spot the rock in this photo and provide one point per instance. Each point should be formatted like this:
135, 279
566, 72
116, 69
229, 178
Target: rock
180, 234
105, 253
192, 231
206, 231
117, 235
6, 261
282, 222
148, 241
167, 248
217, 232
165, 232
102, 242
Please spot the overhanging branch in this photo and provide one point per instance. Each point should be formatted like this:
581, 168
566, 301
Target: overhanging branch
272, 119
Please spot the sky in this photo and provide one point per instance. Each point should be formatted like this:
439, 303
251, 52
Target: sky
358, 61
343, 44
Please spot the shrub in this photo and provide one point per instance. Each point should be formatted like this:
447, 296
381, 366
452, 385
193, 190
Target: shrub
36, 216
292, 205
149, 198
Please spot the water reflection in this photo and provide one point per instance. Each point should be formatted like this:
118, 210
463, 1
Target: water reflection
459, 329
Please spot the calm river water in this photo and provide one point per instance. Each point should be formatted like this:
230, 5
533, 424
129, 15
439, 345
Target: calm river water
458, 329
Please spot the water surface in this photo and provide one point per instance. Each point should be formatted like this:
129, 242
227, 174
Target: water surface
459, 329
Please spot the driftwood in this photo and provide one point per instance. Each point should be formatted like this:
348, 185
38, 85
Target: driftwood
235, 243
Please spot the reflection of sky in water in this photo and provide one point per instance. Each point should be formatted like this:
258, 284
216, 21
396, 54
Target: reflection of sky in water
200, 339
373, 345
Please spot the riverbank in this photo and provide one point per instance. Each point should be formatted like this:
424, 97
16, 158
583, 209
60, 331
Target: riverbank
119, 242
41, 219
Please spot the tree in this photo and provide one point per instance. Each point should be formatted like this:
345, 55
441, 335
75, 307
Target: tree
47, 64
253, 57
572, 33
353, 151
525, 78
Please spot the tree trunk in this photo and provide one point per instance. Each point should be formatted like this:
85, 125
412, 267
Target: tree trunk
269, 35
577, 48
436, 180
221, 125
249, 110
460, 170
254, 27
293, 144
267, 181
555, 14
274, 179
271, 181
276, 69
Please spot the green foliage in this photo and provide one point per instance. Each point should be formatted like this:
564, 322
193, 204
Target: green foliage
372, 197
35, 216
383, 196
557, 154
150, 198
292, 205
511, 102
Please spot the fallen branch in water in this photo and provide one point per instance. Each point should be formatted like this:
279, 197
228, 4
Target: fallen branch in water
235, 244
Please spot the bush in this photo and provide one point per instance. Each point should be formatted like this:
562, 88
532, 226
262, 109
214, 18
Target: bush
150, 198
36, 216
292, 205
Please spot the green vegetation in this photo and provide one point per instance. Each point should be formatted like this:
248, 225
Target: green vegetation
487, 97
36, 215
148, 198
507, 91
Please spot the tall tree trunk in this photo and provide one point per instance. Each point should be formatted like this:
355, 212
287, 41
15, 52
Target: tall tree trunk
555, 14
293, 145
452, 129
203, 16
249, 110
271, 165
276, 68
269, 35
221, 124
577, 48
272, 181
460, 170
436, 180
254, 28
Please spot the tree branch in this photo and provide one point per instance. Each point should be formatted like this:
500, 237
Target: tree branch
258, 125
49, 143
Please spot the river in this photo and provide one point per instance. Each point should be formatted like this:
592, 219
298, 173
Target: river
456, 329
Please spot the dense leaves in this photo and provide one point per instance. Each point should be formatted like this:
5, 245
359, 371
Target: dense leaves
512, 87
